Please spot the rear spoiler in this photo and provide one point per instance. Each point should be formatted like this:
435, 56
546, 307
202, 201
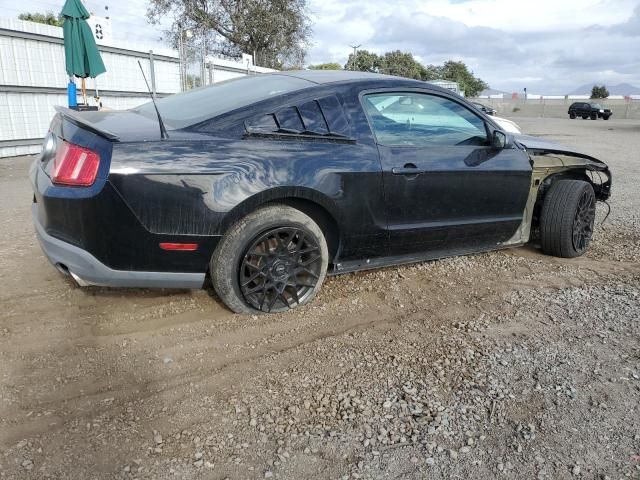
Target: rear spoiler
81, 120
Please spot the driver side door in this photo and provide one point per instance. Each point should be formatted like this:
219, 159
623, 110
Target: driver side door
446, 188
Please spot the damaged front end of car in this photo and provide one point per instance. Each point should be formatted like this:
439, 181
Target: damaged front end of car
550, 162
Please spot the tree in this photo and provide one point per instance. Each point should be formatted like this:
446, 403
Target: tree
432, 72
401, 64
364, 61
48, 18
599, 92
458, 72
276, 32
326, 66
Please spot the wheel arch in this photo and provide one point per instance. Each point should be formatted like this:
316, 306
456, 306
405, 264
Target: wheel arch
598, 179
310, 202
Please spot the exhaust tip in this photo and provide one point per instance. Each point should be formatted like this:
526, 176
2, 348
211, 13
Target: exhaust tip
62, 268
79, 280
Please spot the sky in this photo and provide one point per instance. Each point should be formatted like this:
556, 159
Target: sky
547, 46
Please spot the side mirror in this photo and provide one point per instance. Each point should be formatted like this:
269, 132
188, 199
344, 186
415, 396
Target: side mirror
498, 140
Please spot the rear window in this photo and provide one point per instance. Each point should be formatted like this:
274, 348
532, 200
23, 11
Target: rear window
188, 108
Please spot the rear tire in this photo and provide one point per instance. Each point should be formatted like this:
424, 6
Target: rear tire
272, 260
567, 218
572, 115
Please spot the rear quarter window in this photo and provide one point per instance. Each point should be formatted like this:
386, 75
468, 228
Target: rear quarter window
322, 116
289, 119
313, 118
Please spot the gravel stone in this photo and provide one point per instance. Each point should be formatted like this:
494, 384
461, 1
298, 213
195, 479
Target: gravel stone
504, 364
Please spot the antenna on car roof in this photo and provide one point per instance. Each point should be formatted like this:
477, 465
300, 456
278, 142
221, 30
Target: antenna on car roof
163, 130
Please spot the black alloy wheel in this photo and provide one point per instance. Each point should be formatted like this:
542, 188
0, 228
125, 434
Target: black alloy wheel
280, 269
583, 222
271, 260
567, 218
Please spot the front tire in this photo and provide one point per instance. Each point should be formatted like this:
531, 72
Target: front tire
272, 260
567, 218
594, 116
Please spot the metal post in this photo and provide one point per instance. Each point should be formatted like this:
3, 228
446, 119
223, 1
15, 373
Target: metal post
152, 71
182, 89
203, 64
210, 68
355, 54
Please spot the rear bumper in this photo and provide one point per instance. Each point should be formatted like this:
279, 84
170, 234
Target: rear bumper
88, 270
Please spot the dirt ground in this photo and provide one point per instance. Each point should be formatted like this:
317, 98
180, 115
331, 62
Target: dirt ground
502, 365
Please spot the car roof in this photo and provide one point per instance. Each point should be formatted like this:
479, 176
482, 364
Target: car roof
324, 77
331, 76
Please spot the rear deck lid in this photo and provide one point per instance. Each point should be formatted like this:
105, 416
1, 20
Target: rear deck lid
115, 125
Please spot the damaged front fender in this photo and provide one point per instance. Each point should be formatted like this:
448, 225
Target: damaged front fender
552, 158
550, 161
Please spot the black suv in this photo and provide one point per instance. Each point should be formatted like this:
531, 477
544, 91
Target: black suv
589, 110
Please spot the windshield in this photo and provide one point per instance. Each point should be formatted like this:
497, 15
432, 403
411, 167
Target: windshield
596, 105
188, 108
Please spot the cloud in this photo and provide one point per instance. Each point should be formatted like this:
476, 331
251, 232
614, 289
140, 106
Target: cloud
630, 27
543, 54
548, 46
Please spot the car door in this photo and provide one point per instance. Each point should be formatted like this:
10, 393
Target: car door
445, 187
584, 109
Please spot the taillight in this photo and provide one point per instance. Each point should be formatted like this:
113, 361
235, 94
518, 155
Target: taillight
75, 166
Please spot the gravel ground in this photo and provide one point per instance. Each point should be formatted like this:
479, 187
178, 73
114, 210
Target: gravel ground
502, 365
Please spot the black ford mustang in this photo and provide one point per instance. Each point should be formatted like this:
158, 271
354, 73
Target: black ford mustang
268, 183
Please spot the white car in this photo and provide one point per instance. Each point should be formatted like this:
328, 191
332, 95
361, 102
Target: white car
507, 125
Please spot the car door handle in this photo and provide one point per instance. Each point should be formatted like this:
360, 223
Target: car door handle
408, 169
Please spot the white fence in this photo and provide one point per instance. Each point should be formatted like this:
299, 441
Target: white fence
33, 80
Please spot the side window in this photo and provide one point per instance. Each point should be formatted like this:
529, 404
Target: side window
422, 119
323, 116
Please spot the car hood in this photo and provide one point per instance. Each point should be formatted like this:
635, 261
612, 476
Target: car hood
541, 146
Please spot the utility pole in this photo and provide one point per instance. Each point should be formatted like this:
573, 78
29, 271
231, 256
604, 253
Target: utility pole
355, 52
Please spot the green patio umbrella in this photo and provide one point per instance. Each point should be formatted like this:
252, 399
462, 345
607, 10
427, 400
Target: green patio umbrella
80, 50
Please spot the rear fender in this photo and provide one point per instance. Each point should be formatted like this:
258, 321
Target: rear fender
283, 195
